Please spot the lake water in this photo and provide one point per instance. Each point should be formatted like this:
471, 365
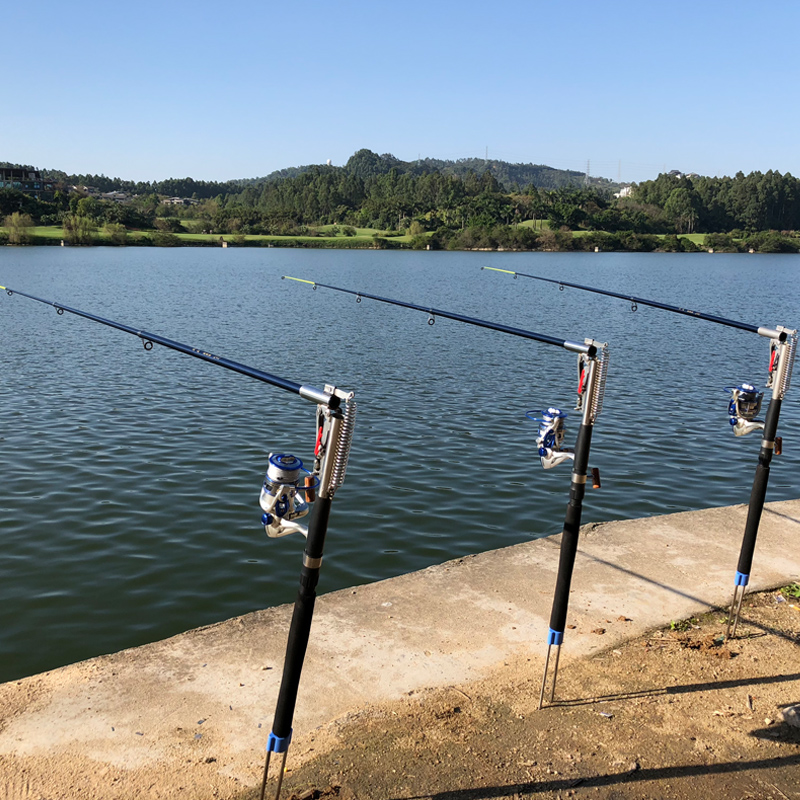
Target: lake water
130, 479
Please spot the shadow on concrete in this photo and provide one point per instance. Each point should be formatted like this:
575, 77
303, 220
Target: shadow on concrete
778, 514
702, 603
637, 776
652, 581
685, 689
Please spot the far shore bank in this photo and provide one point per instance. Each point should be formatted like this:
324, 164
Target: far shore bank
471, 240
335, 244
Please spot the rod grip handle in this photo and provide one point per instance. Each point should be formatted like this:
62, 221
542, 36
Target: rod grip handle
596, 478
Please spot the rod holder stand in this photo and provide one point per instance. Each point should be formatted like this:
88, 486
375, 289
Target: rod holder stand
736, 604
264, 780
554, 640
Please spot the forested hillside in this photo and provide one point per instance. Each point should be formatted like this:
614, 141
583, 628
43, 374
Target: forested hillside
363, 164
444, 205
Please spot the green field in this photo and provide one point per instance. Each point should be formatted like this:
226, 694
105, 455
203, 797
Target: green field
51, 234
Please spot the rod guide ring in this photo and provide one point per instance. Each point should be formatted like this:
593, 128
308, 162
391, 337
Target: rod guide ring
59, 310
148, 345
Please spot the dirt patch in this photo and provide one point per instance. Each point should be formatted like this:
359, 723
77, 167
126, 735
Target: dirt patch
676, 714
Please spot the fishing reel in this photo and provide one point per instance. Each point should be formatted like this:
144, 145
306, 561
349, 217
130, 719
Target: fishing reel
289, 488
282, 499
743, 407
550, 439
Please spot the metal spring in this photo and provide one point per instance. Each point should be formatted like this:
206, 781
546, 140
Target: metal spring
342, 453
787, 373
597, 400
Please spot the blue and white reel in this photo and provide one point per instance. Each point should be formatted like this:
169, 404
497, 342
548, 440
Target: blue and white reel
281, 497
743, 408
550, 439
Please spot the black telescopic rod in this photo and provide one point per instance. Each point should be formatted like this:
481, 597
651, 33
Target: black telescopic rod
335, 449
731, 323
307, 392
567, 553
592, 405
574, 347
297, 643
755, 508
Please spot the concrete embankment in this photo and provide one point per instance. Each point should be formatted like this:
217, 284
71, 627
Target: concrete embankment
195, 710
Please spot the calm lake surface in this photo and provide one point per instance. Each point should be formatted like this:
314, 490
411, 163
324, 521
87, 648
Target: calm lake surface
130, 479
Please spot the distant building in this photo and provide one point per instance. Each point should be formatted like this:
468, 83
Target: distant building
116, 197
179, 201
625, 191
87, 191
29, 181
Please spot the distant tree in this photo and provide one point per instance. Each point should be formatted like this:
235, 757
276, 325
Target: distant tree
170, 225
90, 207
722, 243
772, 242
681, 207
78, 229
565, 215
116, 233
166, 239
19, 228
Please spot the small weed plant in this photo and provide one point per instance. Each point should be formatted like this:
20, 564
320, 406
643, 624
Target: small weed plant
792, 591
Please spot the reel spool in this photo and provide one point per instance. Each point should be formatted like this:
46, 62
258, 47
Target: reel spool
550, 438
281, 499
289, 488
743, 408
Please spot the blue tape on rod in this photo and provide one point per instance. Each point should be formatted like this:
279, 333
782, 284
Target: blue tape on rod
555, 637
742, 579
278, 744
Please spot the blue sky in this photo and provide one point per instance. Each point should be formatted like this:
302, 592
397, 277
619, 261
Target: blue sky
151, 90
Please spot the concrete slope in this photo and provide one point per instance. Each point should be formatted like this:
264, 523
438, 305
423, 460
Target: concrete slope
163, 706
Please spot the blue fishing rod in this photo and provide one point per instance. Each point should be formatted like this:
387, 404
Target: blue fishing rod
744, 405
592, 373
287, 494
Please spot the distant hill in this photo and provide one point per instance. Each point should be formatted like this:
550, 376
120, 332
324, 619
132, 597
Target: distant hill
363, 164
366, 164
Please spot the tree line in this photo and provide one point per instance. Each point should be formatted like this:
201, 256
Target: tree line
441, 208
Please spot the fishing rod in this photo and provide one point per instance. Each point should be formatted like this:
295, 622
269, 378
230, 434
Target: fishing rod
592, 373
282, 506
149, 339
287, 493
743, 407
769, 333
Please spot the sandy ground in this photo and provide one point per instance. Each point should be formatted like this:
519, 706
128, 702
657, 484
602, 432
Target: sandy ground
676, 714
